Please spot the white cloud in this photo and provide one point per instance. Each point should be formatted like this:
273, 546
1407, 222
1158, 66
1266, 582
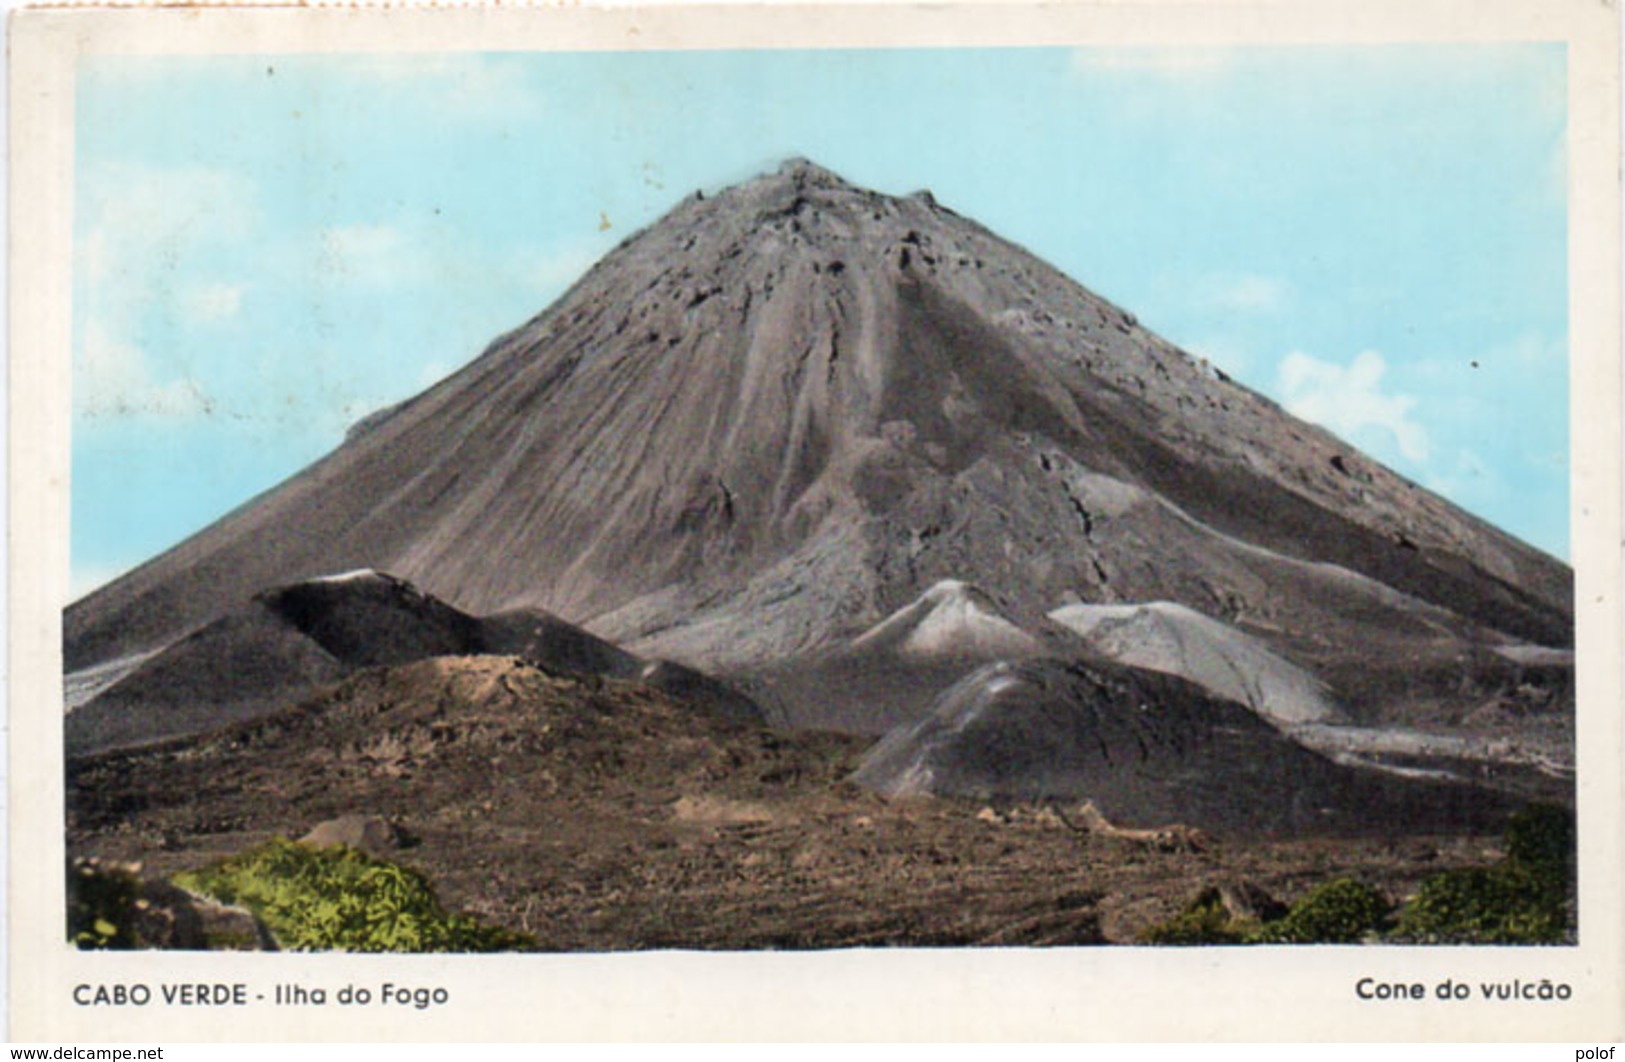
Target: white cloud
1350, 400
115, 378
139, 230
136, 219
210, 303
1248, 293
368, 255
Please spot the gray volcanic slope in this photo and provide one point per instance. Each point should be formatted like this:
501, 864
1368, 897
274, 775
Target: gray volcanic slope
785, 411
290, 641
1149, 749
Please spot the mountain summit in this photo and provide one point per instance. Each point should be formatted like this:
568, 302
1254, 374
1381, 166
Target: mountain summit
788, 410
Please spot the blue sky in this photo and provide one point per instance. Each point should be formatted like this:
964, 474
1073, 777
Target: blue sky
269, 247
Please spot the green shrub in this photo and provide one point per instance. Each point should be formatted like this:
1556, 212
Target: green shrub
342, 899
102, 905
1504, 904
1540, 838
1523, 899
1204, 921
1339, 912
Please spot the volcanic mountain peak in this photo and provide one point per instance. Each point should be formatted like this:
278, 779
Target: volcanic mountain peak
788, 410
804, 177
848, 452
803, 191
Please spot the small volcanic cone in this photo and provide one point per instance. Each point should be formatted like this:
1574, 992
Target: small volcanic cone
1150, 750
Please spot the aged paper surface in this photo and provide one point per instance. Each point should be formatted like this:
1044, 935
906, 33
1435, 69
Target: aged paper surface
1263, 993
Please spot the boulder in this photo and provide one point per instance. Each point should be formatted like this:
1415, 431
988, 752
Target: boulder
372, 834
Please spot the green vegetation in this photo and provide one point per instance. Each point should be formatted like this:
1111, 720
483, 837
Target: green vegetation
1339, 912
342, 899
1541, 838
1498, 905
1523, 899
103, 904
1204, 921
